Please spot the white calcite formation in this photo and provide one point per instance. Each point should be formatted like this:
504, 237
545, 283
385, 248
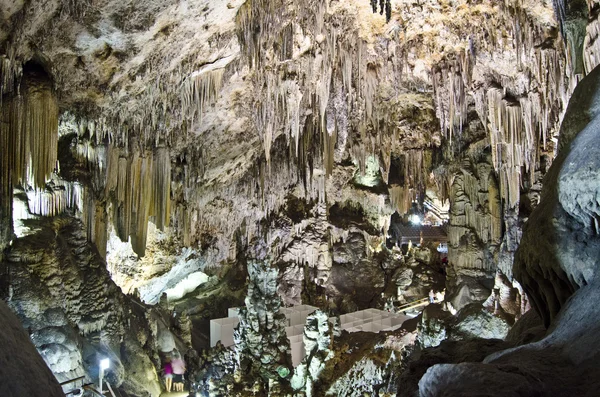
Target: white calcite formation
317, 339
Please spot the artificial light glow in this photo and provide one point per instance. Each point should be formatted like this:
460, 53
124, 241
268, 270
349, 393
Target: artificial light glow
415, 219
104, 363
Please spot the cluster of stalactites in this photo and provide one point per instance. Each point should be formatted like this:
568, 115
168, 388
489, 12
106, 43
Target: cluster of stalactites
452, 111
138, 185
401, 198
591, 45
28, 134
200, 90
11, 72
513, 143
384, 6
58, 196
284, 105
519, 125
414, 174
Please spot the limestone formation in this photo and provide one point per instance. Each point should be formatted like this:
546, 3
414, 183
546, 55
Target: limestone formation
188, 153
23, 370
75, 314
261, 344
552, 253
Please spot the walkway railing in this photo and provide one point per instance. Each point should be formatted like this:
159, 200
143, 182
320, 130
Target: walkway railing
413, 305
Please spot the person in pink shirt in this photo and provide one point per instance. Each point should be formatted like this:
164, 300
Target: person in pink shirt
178, 366
168, 374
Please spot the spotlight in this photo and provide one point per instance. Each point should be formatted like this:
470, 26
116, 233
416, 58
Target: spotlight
415, 219
104, 364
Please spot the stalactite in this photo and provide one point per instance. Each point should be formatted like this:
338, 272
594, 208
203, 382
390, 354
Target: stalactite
200, 90
30, 129
452, 112
137, 186
28, 135
513, 142
591, 45
162, 188
401, 198
142, 169
58, 196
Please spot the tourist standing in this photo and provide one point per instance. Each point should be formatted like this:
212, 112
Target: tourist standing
168, 374
178, 370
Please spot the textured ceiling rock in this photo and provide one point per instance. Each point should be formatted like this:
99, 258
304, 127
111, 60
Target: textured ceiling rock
323, 83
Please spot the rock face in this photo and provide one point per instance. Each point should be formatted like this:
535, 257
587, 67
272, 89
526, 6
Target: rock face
560, 237
261, 344
556, 264
287, 131
22, 371
471, 322
317, 337
474, 350
76, 315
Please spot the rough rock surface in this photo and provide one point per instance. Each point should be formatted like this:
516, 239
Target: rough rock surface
62, 293
419, 361
560, 238
556, 264
317, 337
22, 371
471, 322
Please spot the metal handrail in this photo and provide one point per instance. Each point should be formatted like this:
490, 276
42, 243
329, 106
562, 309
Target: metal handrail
413, 304
72, 380
90, 387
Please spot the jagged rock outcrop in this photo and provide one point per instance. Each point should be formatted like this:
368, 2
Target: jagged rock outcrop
420, 361
318, 337
560, 236
261, 344
471, 322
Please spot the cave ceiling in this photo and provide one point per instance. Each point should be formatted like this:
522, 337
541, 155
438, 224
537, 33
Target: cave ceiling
232, 107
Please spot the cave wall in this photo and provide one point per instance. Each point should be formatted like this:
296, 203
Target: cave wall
24, 372
556, 264
75, 314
